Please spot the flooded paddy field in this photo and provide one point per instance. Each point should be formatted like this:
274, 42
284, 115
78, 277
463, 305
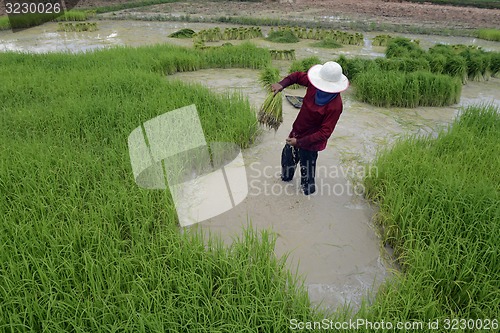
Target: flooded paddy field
330, 236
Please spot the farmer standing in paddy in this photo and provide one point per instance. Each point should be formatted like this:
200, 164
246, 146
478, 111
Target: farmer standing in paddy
320, 111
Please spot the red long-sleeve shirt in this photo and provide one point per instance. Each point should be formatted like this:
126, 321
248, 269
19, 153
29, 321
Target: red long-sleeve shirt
314, 123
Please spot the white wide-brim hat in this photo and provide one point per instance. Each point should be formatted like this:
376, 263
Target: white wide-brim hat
328, 77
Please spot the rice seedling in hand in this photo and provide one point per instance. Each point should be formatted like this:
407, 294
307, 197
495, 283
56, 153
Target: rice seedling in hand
268, 76
271, 112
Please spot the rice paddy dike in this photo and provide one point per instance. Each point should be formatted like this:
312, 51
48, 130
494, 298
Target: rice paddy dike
84, 249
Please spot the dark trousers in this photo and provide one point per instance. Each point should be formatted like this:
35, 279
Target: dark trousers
290, 156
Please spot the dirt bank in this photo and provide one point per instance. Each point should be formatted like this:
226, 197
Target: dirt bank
377, 11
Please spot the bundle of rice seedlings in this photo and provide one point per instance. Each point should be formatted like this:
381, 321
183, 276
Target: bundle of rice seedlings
268, 76
271, 112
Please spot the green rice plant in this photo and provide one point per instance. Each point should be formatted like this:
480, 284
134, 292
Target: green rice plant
268, 76
352, 67
245, 55
437, 62
29, 20
271, 111
75, 15
4, 23
403, 47
440, 210
468, 62
406, 65
282, 37
23, 21
82, 247
395, 88
489, 34
495, 64
183, 33
456, 66
381, 40
304, 64
327, 43
478, 63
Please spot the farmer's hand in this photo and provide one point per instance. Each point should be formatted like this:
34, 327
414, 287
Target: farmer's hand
291, 141
276, 88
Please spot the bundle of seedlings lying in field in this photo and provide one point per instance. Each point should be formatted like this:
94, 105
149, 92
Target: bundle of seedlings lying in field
336, 36
381, 40
271, 112
77, 27
215, 34
241, 33
183, 33
282, 54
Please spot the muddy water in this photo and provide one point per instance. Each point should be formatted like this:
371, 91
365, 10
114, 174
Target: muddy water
329, 237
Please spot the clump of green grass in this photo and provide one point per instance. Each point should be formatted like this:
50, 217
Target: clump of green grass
23, 21
439, 205
468, 62
284, 36
328, 43
85, 249
489, 34
394, 88
403, 47
4, 23
183, 33
268, 76
76, 15
381, 40
403, 64
352, 67
303, 65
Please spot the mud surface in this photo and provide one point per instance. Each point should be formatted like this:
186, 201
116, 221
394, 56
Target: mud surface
377, 11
